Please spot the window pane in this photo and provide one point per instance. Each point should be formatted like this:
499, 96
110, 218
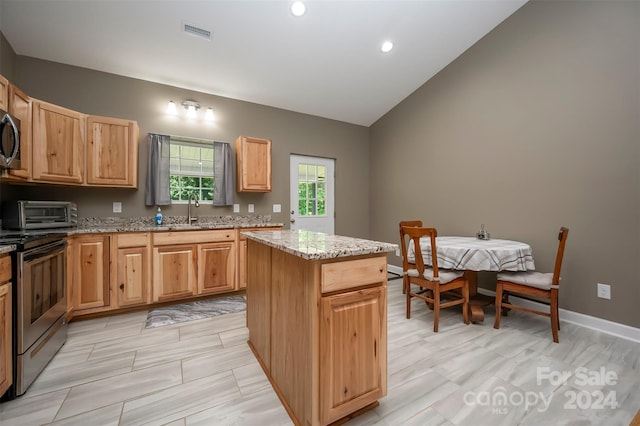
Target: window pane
322, 172
311, 172
302, 190
321, 208
302, 208
312, 190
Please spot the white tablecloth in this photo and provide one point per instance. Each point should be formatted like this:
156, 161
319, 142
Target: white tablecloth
470, 253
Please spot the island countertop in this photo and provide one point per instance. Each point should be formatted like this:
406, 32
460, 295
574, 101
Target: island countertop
311, 245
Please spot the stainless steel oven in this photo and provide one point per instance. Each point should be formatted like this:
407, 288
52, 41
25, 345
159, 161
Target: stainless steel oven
40, 305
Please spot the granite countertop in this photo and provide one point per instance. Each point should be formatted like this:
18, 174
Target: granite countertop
7, 248
97, 225
316, 245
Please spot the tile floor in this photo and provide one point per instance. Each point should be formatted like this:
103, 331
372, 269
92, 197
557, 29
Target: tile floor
112, 371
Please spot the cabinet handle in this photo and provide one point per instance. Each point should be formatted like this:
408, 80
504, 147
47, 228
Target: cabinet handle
122, 287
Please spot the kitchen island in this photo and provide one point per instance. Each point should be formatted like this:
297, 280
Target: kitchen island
317, 319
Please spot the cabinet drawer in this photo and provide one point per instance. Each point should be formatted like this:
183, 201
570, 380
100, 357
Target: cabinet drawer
133, 240
354, 273
192, 237
5, 268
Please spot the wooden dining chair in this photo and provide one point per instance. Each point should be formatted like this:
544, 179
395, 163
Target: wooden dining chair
536, 285
434, 282
404, 244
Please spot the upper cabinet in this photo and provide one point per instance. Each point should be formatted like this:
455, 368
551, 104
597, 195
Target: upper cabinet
4, 93
253, 164
58, 144
62, 146
112, 152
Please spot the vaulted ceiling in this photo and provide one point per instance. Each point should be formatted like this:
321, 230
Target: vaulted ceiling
326, 63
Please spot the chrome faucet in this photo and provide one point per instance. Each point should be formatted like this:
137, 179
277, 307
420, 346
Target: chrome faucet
190, 218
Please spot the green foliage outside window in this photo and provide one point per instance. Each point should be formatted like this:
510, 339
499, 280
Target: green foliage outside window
311, 190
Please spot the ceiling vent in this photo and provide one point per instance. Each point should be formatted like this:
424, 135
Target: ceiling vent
196, 31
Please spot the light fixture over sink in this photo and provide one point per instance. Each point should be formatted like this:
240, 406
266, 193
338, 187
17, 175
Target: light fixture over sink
191, 108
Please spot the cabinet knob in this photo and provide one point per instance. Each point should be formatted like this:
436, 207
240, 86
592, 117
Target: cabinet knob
122, 287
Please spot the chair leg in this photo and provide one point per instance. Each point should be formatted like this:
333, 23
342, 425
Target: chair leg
436, 308
465, 305
405, 284
409, 302
554, 315
496, 324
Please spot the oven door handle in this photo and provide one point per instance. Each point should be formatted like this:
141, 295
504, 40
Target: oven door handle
44, 250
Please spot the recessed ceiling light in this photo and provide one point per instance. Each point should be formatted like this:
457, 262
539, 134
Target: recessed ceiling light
386, 47
298, 8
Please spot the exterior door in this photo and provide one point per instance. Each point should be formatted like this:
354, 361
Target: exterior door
312, 194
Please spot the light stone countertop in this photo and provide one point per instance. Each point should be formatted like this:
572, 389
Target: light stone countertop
97, 225
7, 248
316, 245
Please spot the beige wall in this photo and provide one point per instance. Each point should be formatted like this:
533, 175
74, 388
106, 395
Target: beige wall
537, 126
100, 93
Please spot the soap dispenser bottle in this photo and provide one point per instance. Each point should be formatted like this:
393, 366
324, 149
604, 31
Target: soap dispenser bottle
159, 217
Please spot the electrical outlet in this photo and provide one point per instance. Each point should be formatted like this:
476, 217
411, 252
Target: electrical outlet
117, 207
604, 291
250, 208
277, 208
236, 208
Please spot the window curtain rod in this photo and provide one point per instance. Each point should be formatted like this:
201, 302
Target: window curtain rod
190, 139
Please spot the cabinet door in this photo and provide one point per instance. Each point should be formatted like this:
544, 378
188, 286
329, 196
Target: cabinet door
91, 274
353, 351
174, 272
6, 360
4, 93
216, 267
58, 144
132, 282
20, 107
112, 152
253, 158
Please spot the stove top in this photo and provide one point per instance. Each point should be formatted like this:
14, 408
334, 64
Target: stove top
28, 239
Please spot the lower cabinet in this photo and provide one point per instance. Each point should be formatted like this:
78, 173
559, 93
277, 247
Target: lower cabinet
6, 369
90, 273
216, 267
131, 269
351, 375
120, 270
191, 263
174, 272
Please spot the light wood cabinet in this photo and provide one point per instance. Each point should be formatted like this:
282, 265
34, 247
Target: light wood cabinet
20, 107
253, 161
58, 144
319, 331
216, 267
174, 272
352, 339
6, 359
131, 270
242, 253
4, 93
193, 262
112, 152
91, 273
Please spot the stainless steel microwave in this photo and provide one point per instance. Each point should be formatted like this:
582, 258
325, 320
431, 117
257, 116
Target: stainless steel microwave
26, 215
9, 141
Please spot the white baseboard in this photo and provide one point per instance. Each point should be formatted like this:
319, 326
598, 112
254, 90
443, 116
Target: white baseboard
594, 323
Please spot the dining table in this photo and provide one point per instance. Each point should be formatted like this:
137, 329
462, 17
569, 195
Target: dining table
472, 255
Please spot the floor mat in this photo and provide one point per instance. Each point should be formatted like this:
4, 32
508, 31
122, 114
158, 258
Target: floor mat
195, 310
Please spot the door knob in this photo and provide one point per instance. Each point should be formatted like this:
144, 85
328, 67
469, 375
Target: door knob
293, 220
